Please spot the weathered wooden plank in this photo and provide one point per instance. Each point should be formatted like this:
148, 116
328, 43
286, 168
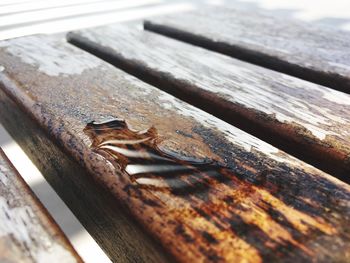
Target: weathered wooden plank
314, 53
203, 188
312, 122
27, 231
121, 238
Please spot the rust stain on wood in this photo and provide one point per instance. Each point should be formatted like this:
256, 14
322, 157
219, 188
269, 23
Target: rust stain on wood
137, 154
264, 205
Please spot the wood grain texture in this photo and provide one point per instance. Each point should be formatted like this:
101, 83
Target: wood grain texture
311, 52
309, 121
27, 232
121, 237
267, 206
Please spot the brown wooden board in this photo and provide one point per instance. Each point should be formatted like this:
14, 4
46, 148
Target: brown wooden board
318, 54
309, 121
27, 231
204, 189
121, 238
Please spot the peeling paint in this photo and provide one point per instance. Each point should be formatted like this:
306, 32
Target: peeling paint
336, 97
234, 135
15, 222
254, 213
253, 87
3, 178
45, 53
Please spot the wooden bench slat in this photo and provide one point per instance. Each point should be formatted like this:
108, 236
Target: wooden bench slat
264, 205
27, 231
318, 54
310, 121
95, 208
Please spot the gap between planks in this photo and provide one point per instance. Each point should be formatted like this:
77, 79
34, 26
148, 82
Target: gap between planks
27, 232
331, 70
293, 136
265, 199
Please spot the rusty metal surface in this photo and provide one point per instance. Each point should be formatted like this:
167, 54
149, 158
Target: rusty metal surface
307, 120
261, 205
27, 232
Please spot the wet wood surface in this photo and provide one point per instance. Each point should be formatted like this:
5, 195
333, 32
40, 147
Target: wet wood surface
96, 209
228, 195
27, 232
315, 53
309, 121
